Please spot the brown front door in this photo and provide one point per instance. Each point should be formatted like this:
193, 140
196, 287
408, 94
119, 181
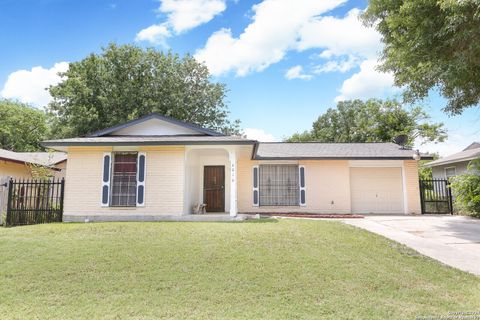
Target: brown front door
214, 188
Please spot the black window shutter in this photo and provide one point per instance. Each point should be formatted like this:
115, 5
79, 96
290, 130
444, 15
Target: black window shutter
107, 160
141, 173
255, 186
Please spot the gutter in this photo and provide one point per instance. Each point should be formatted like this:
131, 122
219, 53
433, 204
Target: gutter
437, 164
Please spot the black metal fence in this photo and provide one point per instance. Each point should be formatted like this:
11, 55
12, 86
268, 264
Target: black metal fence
436, 196
34, 201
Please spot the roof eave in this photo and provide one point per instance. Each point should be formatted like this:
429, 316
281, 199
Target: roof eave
48, 144
60, 161
336, 158
28, 162
442, 163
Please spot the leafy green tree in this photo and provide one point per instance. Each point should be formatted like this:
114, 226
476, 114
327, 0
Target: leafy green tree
372, 121
466, 189
431, 44
126, 82
425, 173
21, 127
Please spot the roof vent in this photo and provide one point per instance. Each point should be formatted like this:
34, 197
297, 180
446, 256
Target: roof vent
401, 140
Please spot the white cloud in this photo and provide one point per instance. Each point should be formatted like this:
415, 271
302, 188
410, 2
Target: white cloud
182, 15
366, 83
456, 142
273, 31
297, 73
29, 86
259, 134
345, 42
340, 36
342, 65
155, 34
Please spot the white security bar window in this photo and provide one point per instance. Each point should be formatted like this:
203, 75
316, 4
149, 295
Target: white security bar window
124, 180
279, 185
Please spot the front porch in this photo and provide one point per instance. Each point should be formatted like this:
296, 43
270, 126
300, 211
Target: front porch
211, 179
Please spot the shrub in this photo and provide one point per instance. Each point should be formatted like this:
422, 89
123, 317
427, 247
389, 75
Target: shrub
466, 189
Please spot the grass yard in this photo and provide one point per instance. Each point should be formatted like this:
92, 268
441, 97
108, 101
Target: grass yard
290, 269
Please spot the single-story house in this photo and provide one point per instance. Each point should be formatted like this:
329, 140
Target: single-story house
20, 164
156, 167
454, 164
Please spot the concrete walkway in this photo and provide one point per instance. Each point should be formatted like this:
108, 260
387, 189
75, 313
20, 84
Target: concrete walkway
453, 240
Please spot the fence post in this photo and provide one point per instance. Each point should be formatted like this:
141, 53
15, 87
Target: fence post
9, 203
3, 198
422, 204
62, 193
449, 193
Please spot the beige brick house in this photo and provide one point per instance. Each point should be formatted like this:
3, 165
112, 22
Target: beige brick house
156, 168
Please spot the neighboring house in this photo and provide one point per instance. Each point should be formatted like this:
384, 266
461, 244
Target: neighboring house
156, 168
19, 164
454, 164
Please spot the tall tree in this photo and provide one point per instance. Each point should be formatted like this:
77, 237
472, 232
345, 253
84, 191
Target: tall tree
21, 127
126, 82
431, 44
372, 121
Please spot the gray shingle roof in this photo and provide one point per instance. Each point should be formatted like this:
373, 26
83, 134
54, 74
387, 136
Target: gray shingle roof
313, 150
466, 155
473, 145
146, 140
264, 150
39, 158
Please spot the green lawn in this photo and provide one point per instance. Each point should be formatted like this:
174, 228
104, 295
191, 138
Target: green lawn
289, 269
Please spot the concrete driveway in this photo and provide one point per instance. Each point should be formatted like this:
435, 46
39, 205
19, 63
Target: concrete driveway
453, 240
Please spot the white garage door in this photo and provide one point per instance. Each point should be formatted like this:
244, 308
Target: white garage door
376, 190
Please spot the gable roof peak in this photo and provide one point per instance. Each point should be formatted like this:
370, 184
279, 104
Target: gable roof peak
473, 145
156, 116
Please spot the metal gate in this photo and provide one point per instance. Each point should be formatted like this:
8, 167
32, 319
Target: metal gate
436, 196
34, 201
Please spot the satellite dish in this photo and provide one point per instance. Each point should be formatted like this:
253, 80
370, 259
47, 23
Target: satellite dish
401, 140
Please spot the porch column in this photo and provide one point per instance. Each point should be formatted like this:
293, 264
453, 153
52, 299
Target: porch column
232, 156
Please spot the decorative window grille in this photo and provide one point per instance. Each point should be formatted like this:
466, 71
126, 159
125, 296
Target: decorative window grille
124, 180
279, 185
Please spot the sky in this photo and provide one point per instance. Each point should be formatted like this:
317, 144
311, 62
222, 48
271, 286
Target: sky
284, 62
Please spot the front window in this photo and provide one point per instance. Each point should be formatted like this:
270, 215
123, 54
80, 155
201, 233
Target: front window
124, 180
450, 172
279, 185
